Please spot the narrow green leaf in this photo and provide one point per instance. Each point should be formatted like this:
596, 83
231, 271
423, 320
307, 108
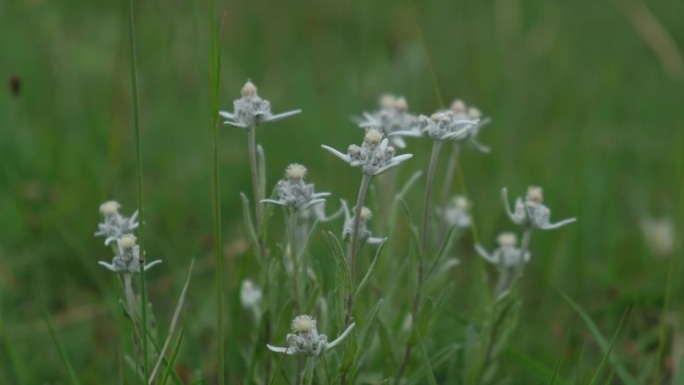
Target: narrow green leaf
426, 360
625, 377
413, 230
532, 366
172, 326
607, 354
343, 282
559, 360
369, 273
365, 334
170, 366
249, 224
390, 362
55, 340
437, 360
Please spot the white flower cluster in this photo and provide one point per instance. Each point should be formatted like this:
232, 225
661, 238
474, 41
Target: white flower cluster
508, 255
393, 116
251, 110
115, 225
294, 192
531, 212
127, 261
455, 212
365, 235
305, 339
374, 156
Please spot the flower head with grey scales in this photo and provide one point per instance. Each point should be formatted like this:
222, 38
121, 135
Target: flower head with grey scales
393, 116
458, 108
508, 255
441, 125
531, 212
115, 225
127, 261
294, 192
305, 339
251, 110
456, 212
365, 235
374, 156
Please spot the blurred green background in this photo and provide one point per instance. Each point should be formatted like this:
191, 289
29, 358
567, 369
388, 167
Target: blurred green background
586, 101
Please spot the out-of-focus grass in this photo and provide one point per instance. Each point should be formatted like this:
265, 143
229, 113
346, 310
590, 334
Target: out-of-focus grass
581, 104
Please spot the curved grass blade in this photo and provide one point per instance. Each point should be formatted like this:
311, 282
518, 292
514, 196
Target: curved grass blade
607, 355
625, 377
369, 273
174, 355
60, 349
559, 360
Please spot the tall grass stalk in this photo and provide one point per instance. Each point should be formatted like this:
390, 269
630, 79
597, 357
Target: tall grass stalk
448, 183
139, 174
293, 255
218, 247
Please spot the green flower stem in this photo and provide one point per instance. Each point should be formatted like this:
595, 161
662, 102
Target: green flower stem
293, 255
352, 247
448, 183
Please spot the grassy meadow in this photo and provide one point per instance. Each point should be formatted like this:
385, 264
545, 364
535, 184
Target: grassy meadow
586, 101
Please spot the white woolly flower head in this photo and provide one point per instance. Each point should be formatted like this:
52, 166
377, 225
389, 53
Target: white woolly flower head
374, 156
303, 324
294, 192
115, 225
392, 117
128, 259
251, 110
507, 255
365, 235
306, 340
456, 212
127, 241
532, 212
110, 208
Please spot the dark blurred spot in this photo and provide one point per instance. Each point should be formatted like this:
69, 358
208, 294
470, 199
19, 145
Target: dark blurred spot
15, 85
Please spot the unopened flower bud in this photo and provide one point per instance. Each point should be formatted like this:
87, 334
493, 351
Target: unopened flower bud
507, 240
474, 113
387, 101
400, 105
534, 194
295, 171
458, 107
128, 241
303, 324
110, 208
249, 89
366, 214
373, 136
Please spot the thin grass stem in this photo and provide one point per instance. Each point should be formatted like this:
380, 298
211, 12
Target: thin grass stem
218, 244
139, 175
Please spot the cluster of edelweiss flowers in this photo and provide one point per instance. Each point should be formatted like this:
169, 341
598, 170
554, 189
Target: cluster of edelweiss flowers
119, 229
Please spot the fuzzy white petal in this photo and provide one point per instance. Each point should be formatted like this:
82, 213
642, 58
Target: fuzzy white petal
338, 154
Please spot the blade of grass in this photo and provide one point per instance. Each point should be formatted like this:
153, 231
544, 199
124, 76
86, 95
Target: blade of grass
533, 367
424, 357
218, 248
60, 349
607, 355
559, 360
176, 349
621, 371
139, 177
172, 326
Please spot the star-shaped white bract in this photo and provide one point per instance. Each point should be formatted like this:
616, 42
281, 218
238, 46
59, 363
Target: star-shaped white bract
374, 156
305, 339
115, 225
392, 117
507, 255
531, 212
251, 110
365, 235
127, 261
294, 192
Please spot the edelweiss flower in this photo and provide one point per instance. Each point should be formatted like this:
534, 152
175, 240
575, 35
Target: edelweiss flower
365, 235
507, 255
294, 192
115, 225
128, 259
441, 125
251, 110
374, 156
392, 117
305, 339
531, 212
455, 213
474, 114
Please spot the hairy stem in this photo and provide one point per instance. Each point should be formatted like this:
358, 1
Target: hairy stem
448, 183
293, 256
352, 247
